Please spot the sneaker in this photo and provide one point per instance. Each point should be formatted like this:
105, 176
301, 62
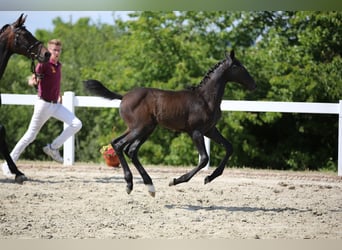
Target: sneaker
6, 171
53, 153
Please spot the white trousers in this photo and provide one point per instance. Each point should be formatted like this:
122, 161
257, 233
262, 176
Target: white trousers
42, 112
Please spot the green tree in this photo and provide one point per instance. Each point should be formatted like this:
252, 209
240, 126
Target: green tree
299, 60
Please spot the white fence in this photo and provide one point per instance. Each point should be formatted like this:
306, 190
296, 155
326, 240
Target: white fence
71, 101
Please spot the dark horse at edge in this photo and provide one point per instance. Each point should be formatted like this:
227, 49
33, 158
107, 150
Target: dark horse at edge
16, 39
194, 111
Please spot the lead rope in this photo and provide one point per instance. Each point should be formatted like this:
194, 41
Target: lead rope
36, 75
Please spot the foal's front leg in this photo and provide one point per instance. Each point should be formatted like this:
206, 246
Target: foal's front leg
198, 139
217, 137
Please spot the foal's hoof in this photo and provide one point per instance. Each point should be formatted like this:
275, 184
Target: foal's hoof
20, 179
128, 190
172, 182
151, 190
206, 180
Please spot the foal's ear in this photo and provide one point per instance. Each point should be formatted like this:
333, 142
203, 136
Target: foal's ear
232, 54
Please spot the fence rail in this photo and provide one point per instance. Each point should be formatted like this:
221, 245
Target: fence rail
71, 101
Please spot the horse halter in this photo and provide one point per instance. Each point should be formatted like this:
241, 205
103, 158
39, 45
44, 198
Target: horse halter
29, 50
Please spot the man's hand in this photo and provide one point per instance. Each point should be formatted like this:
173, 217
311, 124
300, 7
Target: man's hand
32, 81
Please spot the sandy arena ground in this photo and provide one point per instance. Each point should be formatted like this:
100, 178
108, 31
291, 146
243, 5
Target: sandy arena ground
90, 201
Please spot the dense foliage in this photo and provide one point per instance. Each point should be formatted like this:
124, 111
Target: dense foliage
293, 56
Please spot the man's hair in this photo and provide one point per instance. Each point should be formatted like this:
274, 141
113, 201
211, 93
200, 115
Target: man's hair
56, 42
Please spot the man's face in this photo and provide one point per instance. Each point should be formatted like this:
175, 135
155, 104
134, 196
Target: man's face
55, 51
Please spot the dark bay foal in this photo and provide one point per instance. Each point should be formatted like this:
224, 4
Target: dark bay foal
194, 111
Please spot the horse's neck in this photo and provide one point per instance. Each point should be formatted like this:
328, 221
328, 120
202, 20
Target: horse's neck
213, 90
4, 57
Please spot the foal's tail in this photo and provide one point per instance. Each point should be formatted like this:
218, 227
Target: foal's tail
95, 87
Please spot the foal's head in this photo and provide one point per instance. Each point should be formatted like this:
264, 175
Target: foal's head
238, 73
21, 41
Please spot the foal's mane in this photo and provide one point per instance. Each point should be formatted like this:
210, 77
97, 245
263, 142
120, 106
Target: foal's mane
207, 76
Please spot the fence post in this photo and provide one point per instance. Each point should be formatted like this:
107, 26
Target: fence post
69, 145
207, 147
339, 160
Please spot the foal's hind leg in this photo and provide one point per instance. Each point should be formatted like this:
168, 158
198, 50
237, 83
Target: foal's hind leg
132, 152
198, 139
119, 144
122, 143
217, 137
19, 176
